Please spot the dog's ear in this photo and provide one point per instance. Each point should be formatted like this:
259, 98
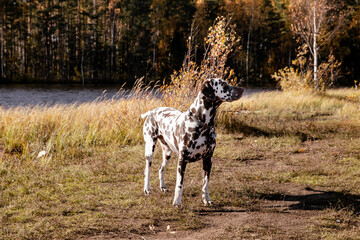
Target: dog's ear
208, 90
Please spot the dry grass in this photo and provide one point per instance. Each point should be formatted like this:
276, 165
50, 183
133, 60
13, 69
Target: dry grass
70, 131
307, 115
334, 102
271, 148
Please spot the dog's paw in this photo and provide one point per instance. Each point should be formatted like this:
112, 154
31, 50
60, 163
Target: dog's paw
177, 203
147, 191
207, 200
164, 189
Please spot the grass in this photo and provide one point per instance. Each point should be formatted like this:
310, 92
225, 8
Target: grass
300, 152
71, 131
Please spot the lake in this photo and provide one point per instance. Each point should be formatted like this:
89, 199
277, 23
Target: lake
31, 95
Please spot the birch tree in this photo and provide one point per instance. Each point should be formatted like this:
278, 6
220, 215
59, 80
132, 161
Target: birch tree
315, 22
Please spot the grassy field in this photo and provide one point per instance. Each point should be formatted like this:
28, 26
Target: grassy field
285, 167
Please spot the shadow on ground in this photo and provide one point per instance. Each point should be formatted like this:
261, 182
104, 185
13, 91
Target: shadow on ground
314, 200
249, 130
257, 130
318, 200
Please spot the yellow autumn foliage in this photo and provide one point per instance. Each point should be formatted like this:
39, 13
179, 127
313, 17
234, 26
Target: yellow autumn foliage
185, 83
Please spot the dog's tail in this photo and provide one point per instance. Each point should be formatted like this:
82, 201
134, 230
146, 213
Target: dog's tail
143, 116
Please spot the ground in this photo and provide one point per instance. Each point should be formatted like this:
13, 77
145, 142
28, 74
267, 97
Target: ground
285, 187
287, 195
285, 167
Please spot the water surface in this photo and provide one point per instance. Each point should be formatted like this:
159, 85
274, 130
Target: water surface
24, 95
31, 95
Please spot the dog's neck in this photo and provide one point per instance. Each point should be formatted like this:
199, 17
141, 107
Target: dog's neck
203, 110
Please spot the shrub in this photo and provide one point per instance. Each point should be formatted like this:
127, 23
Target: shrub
355, 95
291, 80
328, 72
185, 83
299, 77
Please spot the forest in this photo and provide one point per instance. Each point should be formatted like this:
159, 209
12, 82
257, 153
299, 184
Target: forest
119, 41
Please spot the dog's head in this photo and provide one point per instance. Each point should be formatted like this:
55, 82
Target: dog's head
216, 89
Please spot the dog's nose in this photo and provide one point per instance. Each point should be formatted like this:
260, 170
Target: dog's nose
239, 91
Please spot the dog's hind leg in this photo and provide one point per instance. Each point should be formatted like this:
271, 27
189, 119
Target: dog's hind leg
167, 152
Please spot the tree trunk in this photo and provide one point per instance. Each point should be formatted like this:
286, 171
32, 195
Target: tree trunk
112, 54
155, 40
111, 26
2, 48
316, 80
82, 66
248, 50
94, 44
289, 59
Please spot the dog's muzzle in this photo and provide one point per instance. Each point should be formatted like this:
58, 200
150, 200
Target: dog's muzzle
237, 93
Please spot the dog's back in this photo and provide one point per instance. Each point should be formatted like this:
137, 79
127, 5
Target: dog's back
162, 123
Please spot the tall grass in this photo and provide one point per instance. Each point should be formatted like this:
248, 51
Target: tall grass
72, 131
278, 113
334, 102
67, 131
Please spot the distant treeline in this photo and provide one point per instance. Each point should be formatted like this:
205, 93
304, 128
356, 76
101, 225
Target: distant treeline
115, 41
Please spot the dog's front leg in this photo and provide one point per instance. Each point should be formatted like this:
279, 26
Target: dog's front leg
207, 169
179, 181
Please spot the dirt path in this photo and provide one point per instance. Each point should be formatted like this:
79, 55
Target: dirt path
289, 216
281, 218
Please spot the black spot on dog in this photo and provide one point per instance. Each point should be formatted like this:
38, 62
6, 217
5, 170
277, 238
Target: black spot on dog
193, 145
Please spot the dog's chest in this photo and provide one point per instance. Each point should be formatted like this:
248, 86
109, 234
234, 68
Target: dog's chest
200, 146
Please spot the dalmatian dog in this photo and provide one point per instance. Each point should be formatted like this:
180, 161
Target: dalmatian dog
191, 135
